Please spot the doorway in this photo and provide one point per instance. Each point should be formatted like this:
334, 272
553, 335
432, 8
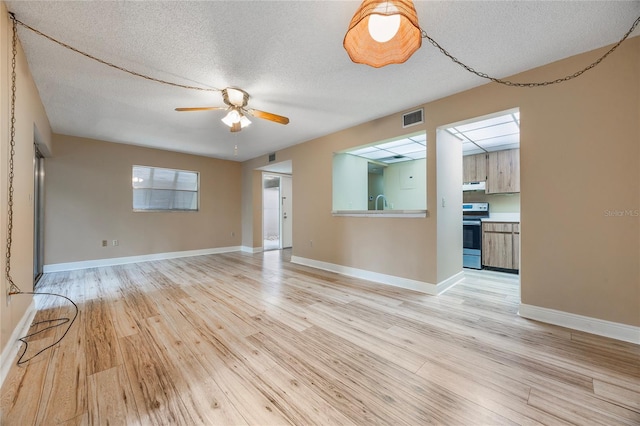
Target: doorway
490, 146
277, 203
38, 214
271, 212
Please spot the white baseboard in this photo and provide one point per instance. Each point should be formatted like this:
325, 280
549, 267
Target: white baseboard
614, 330
13, 345
246, 249
72, 266
445, 285
421, 286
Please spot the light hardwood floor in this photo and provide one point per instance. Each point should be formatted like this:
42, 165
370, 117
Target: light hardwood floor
252, 339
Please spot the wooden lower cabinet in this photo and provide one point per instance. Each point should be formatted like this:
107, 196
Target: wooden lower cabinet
501, 245
516, 246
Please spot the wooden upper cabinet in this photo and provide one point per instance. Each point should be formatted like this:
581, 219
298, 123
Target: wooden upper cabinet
503, 171
474, 168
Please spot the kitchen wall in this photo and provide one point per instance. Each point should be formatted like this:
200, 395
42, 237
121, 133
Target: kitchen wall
498, 203
375, 188
31, 125
89, 199
580, 159
405, 185
351, 182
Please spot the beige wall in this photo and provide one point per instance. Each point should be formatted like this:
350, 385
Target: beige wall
580, 157
89, 199
363, 243
31, 119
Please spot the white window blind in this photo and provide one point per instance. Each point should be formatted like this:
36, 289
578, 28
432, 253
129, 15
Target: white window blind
156, 189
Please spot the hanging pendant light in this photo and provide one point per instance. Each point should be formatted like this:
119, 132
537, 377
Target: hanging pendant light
383, 32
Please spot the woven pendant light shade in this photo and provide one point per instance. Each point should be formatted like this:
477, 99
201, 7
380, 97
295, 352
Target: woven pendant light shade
363, 49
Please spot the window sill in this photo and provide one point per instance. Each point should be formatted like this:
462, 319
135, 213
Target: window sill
380, 213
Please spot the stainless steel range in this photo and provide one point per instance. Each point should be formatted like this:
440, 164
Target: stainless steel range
472, 215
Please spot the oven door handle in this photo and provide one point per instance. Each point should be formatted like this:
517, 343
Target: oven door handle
472, 222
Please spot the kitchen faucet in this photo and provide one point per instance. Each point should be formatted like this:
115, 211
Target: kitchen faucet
384, 201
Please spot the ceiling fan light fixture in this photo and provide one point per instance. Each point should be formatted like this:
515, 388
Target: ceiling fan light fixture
236, 112
383, 32
231, 118
234, 118
235, 97
244, 121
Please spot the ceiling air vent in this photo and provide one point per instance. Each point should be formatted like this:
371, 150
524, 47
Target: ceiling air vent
412, 118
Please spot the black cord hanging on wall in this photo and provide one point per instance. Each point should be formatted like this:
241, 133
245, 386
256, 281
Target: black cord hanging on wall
14, 290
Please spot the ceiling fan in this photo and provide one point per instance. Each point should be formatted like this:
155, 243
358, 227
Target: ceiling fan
237, 111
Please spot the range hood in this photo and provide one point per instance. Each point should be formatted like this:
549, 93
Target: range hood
474, 186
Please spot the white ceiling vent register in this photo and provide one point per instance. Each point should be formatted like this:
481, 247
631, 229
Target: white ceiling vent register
412, 118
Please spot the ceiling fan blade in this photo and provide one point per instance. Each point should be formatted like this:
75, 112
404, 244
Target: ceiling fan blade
269, 116
200, 108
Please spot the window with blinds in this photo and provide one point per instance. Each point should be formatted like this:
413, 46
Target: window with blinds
158, 189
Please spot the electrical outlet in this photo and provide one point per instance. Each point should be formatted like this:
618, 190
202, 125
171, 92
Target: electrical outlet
104, 243
233, 234
310, 243
114, 243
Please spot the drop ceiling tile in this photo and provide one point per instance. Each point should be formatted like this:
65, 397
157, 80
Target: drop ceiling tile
417, 155
405, 149
392, 144
485, 123
377, 154
472, 149
392, 160
493, 131
362, 151
501, 140
422, 138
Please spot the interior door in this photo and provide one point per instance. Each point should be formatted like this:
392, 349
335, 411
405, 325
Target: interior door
286, 193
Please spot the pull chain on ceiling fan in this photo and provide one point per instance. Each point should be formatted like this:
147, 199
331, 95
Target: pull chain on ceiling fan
237, 111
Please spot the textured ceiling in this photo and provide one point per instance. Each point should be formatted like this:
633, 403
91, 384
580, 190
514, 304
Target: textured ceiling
287, 54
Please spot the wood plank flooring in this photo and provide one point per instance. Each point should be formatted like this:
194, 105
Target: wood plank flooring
237, 339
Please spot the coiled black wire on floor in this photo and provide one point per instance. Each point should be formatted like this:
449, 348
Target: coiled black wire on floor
59, 322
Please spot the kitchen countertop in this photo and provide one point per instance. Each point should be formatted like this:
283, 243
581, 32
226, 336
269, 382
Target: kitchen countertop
502, 217
380, 213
